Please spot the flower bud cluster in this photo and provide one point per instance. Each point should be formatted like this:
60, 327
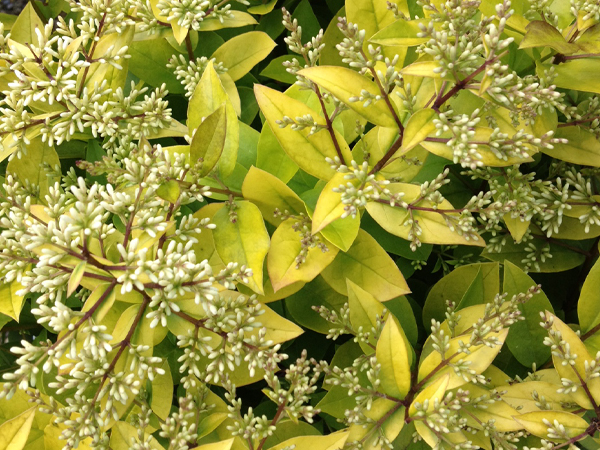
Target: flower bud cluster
190, 72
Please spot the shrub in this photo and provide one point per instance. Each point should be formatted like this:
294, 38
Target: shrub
180, 271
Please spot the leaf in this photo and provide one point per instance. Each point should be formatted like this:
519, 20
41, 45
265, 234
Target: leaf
32, 167
241, 53
278, 329
287, 429
588, 307
370, 267
537, 422
582, 73
221, 445
265, 8
209, 140
244, 240
334, 441
433, 225
330, 209
269, 193
419, 126
148, 62
401, 33
208, 97
393, 354
122, 434
328, 78
23, 30
233, 19
498, 411
76, 277
14, 432
11, 303
386, 417
541, 34
162, 392
285, 247
518, 395
480, 357
272, 158
432, 391
364, 310
276, 71
307, 150
582, 147
526, 337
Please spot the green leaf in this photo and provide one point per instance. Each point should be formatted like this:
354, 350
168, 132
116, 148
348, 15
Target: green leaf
276, 71
433, 224
526, 337
272, 158
316, 293
541, 34
265, 8
286, 245
307, 150
394, 356
122, 434
364, 310
148, 62
328, 78
208, 97
162, 392
588, 307
582, 73
243, 52
269, 193
243, 239
14, 432
455, 286
11, 303
23, 30
209, 140
370, 267
169, 191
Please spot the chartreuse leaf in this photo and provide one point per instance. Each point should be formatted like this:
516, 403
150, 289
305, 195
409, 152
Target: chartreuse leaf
233, 19
588, 307
272, 158
518, 395
14, 432
401, 33
364, 310
286, 246
278, 329
169, 191
241, 53
76, 277
582, 146
122, 434
328, 78
334, 441
526, 338
368, 265
432, 221
541, 34
387, 413
480, 357
209, 140
419, 126
269, 193
582, 73
307, 150
221, 445
432, 393
536, 422
394, 356
11, 303
242, 238
265, 8
329, 211
162, 392
500, 412
576, 372
23, 30
208, 97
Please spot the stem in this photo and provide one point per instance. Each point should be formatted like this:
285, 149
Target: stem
388, 155
273, 422
188, 46
90, 55
461, 84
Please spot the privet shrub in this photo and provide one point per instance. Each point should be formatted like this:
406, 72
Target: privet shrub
180, 271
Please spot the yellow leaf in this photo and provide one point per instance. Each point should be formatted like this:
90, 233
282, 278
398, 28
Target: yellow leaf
588, 307
14, 432
221, 445
518, 395
209, 140
364, 310
307, 150
169, 191
393, 355
536, 423
270, 193
434, 228
243, 52
328, 77
541, 34
243, 239
76, 277
334, 441
432, 392
285, 247
265, 8
11, 303
208, 97
278, 329
23, 30
368, 265
162, 392
419, 126
122, 435
233, 19
389, 414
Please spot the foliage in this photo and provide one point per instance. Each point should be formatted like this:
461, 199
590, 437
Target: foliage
223, 228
